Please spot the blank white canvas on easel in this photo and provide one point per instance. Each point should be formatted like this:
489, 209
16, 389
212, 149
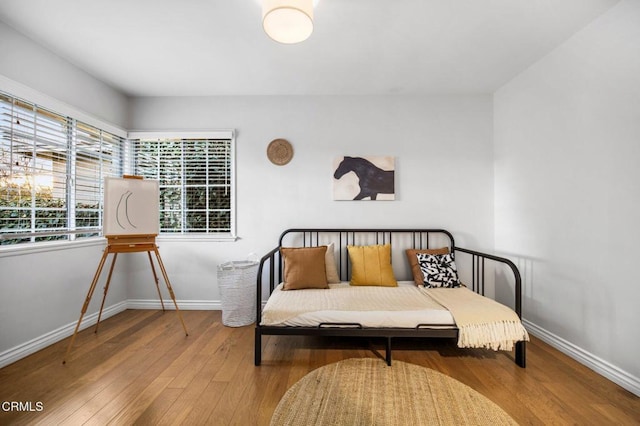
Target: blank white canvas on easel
131, 207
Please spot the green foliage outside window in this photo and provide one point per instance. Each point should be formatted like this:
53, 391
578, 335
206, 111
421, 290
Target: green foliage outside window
15, 213
195, 182
50, 213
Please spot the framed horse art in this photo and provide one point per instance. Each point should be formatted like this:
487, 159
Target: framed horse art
364, 178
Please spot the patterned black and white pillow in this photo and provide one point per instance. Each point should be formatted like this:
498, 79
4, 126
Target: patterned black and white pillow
439, 270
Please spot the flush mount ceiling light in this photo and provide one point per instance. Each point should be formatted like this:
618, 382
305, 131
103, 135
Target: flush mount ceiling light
287, 21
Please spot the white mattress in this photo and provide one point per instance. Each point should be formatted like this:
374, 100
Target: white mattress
405, 306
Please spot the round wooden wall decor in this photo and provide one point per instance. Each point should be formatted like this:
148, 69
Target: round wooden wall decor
280, 152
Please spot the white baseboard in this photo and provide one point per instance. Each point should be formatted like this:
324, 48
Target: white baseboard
184, 305
597, 364
34, 345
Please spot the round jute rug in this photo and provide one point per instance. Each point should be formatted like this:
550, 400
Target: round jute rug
368, 392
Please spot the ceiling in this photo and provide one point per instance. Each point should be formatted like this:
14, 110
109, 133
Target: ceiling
359, 47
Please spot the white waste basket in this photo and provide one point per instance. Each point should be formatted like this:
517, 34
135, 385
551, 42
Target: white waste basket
237, 284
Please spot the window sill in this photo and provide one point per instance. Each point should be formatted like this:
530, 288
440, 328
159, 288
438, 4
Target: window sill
31, 248
207, 238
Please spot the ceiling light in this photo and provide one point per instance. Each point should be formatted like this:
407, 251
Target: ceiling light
287, 21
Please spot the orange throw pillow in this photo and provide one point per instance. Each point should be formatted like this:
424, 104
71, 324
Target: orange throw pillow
304, 267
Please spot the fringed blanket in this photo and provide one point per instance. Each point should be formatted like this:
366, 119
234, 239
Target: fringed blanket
483, 322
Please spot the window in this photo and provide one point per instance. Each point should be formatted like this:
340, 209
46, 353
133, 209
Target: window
51, 173
195, 174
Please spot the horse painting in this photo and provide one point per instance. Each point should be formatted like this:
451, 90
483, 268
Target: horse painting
372, 180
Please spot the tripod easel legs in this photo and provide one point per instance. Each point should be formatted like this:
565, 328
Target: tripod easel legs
155, 279
96, 277
166, 280
106, 290
86, 302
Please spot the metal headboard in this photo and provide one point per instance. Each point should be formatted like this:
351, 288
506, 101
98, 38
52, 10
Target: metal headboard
410, 238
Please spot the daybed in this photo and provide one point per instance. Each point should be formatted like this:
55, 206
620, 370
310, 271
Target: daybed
347, 304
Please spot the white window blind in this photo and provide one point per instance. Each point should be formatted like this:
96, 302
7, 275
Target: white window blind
51, 173
196, 182
98, 154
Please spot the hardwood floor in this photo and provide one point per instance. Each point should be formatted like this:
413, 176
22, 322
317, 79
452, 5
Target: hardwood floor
140, 368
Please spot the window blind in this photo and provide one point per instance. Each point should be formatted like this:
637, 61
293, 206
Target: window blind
51, 173
195, 180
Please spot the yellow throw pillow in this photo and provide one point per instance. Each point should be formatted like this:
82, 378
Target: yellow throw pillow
412, 257
304, 267
371, 265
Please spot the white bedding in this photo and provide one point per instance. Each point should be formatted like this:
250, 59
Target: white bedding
404, 306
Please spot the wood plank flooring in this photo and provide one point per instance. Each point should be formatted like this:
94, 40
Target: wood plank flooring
141, 369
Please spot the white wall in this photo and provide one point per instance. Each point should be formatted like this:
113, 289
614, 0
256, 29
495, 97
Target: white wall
567, 194
42, 292
444, 171
38, 69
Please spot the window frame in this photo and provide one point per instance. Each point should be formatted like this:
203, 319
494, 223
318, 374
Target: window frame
69, 235
226, 134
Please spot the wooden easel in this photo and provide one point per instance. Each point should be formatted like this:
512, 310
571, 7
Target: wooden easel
127, 243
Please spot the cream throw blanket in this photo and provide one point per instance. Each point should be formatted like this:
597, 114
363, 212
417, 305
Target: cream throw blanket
483, 322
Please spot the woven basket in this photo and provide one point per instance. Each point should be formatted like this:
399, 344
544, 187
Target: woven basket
237, 283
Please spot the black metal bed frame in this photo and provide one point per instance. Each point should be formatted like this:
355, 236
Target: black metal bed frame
271, 265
